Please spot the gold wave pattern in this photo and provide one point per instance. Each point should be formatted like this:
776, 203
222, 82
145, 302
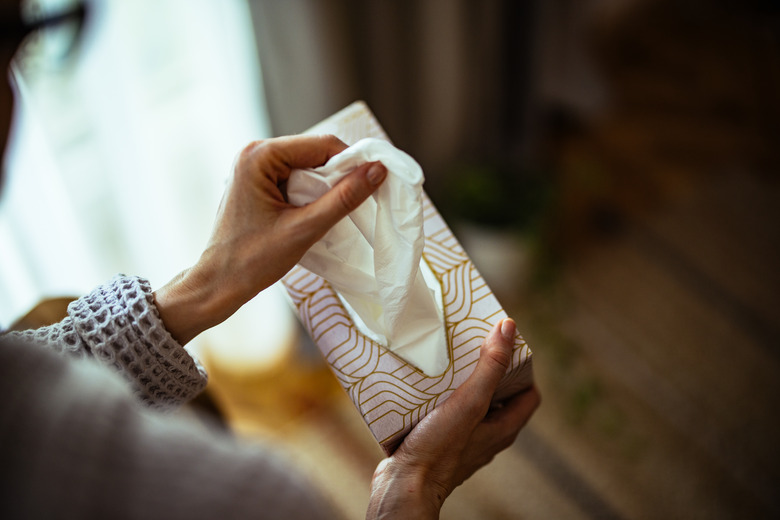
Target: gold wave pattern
391, 394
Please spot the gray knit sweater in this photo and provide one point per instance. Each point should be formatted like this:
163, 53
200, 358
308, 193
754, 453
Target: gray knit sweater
76, 443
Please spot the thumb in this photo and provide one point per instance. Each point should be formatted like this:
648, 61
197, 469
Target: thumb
495, 358
343, 198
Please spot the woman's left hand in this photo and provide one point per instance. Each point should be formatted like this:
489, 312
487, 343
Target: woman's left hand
457, 438
258, 237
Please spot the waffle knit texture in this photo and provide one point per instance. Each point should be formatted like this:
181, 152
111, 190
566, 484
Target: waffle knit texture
76, 441
118, 325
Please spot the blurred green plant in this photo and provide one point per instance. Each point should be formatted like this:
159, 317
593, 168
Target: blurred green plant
506, 198
498, 196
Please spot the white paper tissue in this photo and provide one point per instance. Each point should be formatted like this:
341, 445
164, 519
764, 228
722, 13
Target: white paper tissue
373, 258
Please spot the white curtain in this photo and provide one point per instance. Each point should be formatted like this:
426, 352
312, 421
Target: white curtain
118, 163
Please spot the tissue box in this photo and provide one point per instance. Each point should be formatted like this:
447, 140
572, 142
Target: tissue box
391, 394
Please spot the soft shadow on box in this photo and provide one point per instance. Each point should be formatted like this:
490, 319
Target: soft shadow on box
391, 394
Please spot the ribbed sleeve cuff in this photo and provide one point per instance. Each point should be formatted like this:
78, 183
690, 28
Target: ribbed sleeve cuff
121, 327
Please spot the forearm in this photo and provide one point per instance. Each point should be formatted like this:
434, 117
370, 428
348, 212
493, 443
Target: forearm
119, 326
192, 303
208, 293
80, 447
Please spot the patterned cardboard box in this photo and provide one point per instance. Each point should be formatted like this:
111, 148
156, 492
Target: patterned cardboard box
392, 395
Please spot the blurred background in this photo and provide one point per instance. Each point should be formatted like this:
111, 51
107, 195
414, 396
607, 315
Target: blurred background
610, 166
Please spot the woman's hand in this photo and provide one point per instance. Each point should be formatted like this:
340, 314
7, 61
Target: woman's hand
454, 440
258, 236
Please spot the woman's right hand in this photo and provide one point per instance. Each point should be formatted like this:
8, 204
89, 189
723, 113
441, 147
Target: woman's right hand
258, 236
455, 439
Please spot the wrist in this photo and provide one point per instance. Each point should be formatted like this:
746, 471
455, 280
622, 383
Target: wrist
196, 299
398, 491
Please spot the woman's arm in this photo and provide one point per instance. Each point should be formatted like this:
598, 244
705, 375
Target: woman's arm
77, 445
257, 238
119, 326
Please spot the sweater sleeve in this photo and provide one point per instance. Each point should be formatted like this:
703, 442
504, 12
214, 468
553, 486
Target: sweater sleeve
77, 445
119, 326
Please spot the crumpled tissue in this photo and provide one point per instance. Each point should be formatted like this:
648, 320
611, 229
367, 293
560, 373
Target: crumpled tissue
373, 258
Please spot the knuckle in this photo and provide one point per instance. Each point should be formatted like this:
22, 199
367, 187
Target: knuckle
349, 196
474, 408
331, 140
507, 440
497, 357
506, 434
267, 147
535, 397
250, 149
248, 157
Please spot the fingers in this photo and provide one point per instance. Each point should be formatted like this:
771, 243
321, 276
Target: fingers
494, 360
500, 428
516, 412
297, 151
344, 197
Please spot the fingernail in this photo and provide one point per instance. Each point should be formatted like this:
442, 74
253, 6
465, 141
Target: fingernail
376, 173
508, 329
